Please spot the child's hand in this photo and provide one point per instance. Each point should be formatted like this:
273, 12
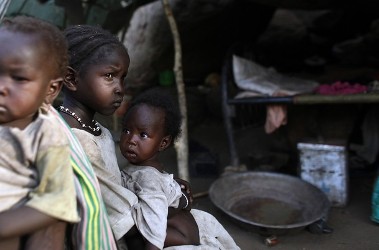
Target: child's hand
186, 188
183, 184
188, 203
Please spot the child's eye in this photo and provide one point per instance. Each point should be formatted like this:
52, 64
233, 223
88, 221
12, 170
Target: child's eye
109, 76
19, 78
143, 135
126, 131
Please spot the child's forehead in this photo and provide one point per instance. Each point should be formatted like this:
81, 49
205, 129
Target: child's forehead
25, 47
10, 39
110, 51
146, 116
32, 41
147, 111
26, 38
107, 56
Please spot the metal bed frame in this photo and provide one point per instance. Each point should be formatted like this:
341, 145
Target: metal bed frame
230, 104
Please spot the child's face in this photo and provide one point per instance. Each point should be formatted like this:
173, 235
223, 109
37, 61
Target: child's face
143, 135
24, 77
101, 87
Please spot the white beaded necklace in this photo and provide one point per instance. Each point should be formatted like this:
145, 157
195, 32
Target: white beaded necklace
76, 117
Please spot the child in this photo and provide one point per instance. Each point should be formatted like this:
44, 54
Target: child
151, 125
93, 232
94, 84
37, 193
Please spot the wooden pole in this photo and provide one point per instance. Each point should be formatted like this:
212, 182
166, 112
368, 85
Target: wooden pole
182, 144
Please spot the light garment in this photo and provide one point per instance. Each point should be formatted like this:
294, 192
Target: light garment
213, 235
276, 116
33, 169
251, 76
93, 232
254, 79
156, 192
118, 200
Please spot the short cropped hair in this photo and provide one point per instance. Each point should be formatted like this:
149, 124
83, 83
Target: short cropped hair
52, 37
157, 98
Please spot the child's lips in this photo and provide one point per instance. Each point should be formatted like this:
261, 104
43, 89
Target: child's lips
131, 154
117, 103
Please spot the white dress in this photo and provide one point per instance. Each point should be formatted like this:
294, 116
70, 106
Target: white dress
156, 192
118, 200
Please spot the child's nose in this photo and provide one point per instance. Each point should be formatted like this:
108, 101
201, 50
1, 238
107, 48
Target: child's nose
3, 87
132, 140
120, 89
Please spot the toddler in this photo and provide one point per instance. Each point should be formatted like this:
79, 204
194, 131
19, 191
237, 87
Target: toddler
151, 125
36, 184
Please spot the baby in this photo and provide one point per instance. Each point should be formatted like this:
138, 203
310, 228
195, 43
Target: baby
151, 124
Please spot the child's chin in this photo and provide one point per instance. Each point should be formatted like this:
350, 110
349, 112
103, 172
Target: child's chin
131, 160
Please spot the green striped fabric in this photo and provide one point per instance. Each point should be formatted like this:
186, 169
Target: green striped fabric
93, 231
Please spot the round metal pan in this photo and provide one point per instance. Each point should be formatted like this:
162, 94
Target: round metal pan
269, 203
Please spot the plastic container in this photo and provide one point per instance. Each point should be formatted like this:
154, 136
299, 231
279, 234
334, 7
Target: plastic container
375, 202
325, 166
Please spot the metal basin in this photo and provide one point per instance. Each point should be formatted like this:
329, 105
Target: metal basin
269, 203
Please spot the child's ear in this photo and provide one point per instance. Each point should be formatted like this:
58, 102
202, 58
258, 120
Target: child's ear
70, 79
166, 141
53, 91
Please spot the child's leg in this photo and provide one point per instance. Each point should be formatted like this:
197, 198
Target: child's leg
10, 244
51, 237
182, 230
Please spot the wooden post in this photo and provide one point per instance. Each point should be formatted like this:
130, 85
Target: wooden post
182, 144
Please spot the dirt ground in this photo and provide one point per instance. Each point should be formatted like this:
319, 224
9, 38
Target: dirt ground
352, 228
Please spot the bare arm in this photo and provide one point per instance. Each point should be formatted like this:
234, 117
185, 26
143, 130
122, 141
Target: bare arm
23, 220
187, 196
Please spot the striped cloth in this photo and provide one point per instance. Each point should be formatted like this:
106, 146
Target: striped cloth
93, 231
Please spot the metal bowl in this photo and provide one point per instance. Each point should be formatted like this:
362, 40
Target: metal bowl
269, 203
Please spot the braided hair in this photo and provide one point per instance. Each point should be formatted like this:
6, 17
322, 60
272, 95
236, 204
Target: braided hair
87, 45
157, 98
55, 45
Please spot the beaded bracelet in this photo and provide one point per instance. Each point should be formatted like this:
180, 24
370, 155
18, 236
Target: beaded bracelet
187, 202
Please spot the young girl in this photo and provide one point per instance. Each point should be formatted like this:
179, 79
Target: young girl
37, 193
94, 83
93, 232
151, 125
